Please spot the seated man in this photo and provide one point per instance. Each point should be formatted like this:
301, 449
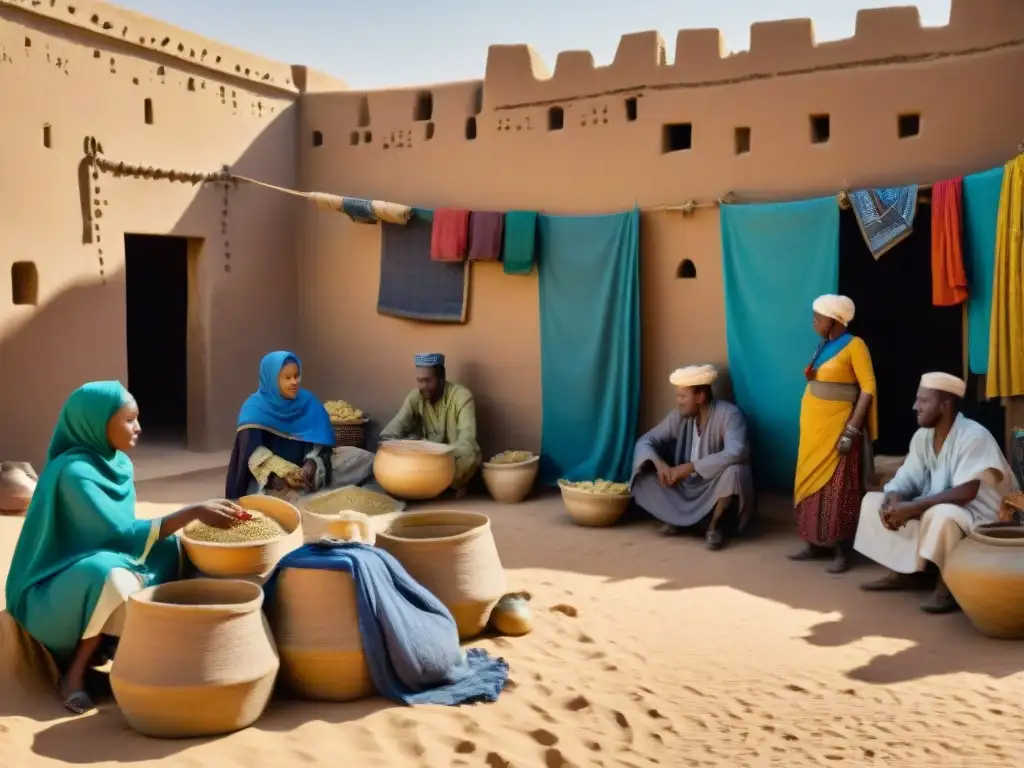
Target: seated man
693, 468
442, 412
954, 478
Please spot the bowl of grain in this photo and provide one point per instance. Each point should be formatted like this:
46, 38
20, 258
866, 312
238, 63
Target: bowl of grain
596, 503
509, 475
251, 547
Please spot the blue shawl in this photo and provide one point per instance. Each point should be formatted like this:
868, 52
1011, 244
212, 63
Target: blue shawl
303, 418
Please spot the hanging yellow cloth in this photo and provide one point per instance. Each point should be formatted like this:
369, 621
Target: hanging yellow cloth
1006, 336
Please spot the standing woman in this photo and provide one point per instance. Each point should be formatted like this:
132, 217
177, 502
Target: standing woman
82, 552
838, 422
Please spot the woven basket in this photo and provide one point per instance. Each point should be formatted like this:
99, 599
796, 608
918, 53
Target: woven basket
252, 558
317, 629
594, 510
196, 658
453, 555
414, 469
510, 483
351, 434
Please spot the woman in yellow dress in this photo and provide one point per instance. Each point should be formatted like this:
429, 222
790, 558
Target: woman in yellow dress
838, 422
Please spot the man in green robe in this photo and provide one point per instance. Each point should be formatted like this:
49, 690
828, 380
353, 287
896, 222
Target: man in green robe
440, 411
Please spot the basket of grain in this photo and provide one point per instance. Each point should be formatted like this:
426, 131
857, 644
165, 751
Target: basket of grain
326, 514
509, 475
453, 555
252, 547
313, 615
594, 504
196, 658
348, 422
414, 469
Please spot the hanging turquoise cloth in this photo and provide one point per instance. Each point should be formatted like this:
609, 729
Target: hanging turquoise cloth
777, 259
981, 213
589, 344
81, 525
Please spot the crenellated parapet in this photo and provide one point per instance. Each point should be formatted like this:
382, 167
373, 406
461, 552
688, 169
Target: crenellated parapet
517, 76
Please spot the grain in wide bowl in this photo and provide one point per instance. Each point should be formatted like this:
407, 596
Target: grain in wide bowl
250, 548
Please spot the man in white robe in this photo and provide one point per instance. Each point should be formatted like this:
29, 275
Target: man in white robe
954, 478
693, 469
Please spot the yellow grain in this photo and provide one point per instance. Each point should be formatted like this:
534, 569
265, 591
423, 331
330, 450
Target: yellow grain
352, 498
511, 457
260, 528
339, 410
599, 486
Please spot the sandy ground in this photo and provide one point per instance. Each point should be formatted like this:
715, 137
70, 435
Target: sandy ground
647, 651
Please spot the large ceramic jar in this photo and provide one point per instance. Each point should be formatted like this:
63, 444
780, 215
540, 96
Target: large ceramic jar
196, 658
313, 615
453, 555
414, 469
985, 573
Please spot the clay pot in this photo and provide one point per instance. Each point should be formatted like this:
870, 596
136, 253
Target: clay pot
414, 469
594, 510
453, 555
252, 558
510, 483
317, 629
985, 573
196, 658
17, 484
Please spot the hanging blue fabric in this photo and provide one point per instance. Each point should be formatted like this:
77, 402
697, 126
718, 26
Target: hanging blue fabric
588, 269
777, 258
981, 193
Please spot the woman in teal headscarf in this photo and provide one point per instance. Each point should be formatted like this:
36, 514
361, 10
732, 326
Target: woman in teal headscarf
82, 552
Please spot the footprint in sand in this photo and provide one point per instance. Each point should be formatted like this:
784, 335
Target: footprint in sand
567, 610
544, 738
554, 758
494, 760
577, 704
585, 638
465, 748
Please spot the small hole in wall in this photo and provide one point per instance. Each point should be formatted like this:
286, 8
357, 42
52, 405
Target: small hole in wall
148, 111
686, 270
428, 132
318, 139
631, 109
742, 141
424, 106
353, 138
556, 119
470, 128
24, 283
909, 125
821, 129
367, 137
676, 137
47, 136
28, 42
364, 112
191, 83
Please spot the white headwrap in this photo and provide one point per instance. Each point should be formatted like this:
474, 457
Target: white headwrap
838, 308
694, 376
944, 382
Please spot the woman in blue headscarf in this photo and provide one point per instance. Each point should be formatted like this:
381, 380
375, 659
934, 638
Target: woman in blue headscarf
82, 552
284, 439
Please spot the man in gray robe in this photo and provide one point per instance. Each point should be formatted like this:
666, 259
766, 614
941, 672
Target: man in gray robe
693, 469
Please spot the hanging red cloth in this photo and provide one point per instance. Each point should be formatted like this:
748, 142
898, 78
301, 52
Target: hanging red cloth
949, 279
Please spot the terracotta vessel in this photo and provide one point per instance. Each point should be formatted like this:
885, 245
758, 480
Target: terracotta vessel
510, 483
453, 555
17, 485
414, 469
985, 573
196, 658
593, 510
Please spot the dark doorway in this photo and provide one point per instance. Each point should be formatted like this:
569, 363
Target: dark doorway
156, 278
906, 334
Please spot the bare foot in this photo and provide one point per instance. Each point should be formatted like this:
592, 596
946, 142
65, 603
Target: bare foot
840, 562
809, 552
714, 540
891, 582
940, 601
668, 530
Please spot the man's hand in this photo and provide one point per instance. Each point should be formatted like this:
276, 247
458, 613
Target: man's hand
664, 473
681, 473
897, 515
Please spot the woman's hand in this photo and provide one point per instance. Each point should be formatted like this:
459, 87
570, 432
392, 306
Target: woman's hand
218, 513
309, 474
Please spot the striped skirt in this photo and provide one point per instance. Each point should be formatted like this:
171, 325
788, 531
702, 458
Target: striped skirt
829, 516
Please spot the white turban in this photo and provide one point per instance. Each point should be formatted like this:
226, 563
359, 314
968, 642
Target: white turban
838, 308
944, 382
694, 376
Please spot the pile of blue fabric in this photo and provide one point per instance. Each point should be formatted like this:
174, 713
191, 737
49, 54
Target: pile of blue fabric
410, 638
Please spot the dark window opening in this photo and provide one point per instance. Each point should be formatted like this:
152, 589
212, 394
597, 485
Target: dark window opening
24, 283
318, 139
424, 106
470, 128
428, 132
631, 109
148, 111
367, 137
686, 270
364, 112
908, 125
676, 137
821, 129
742, 141
353, 138
47, 136
556, 119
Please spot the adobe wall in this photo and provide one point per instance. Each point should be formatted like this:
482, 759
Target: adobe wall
85, 69
958, 78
